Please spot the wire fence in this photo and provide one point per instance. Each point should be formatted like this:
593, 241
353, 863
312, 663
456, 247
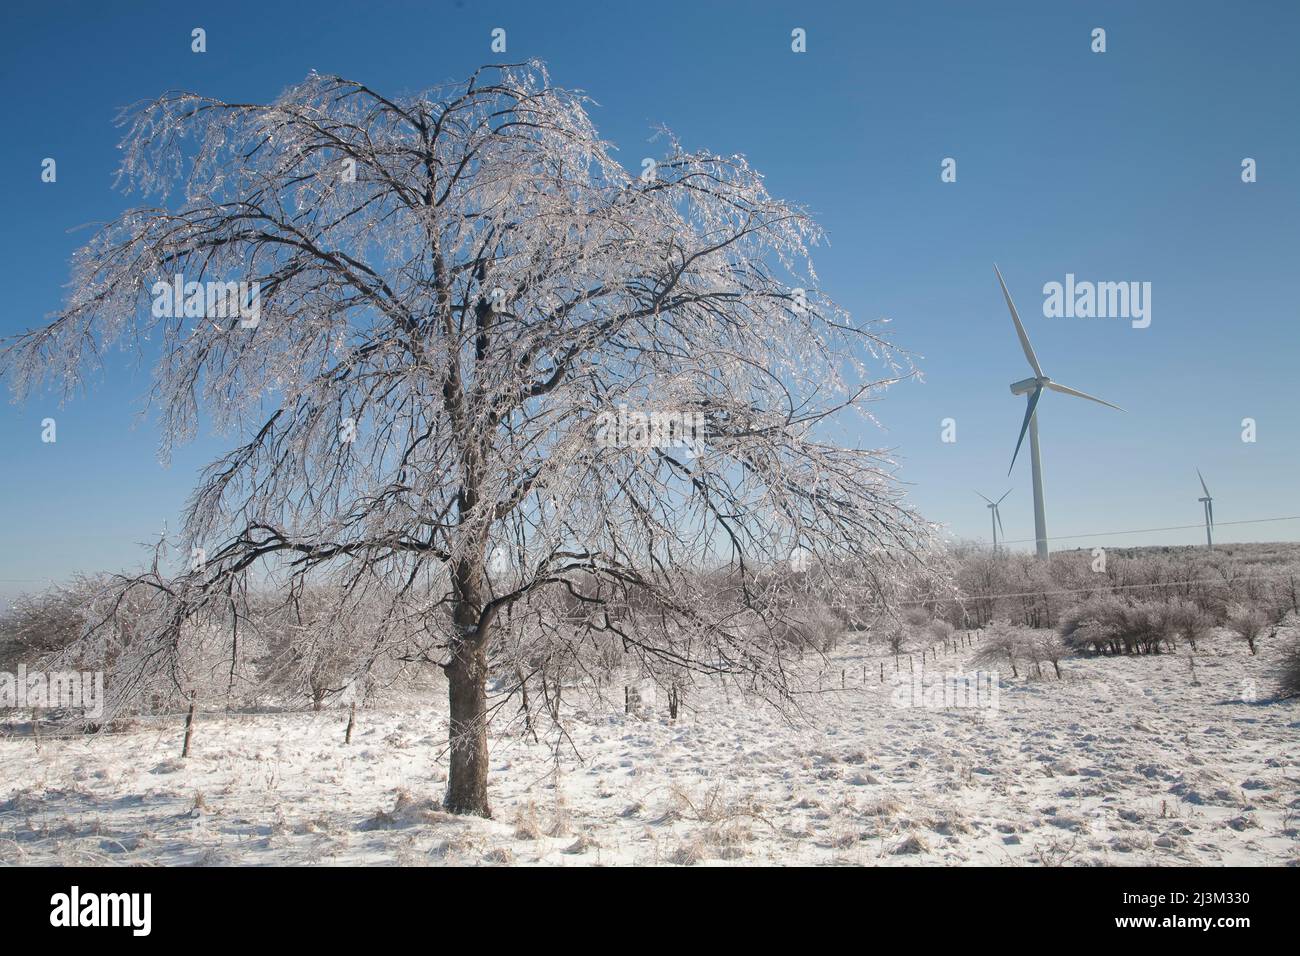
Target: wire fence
128, 724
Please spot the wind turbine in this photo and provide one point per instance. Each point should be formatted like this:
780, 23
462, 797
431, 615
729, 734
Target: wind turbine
1208, 504
1033, 387
997, 517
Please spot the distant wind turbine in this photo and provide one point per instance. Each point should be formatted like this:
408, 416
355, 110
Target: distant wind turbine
997, 517
1208, 503
1033, 387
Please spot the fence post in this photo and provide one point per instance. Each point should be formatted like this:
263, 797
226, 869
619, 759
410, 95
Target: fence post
352, 722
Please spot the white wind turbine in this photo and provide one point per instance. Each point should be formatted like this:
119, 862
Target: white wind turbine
1208, 503
997, 516
1033, 387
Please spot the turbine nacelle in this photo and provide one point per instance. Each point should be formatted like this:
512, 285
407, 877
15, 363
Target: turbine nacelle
1027, 385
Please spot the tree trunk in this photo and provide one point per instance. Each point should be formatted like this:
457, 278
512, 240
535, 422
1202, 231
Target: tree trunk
467, 779
189, 730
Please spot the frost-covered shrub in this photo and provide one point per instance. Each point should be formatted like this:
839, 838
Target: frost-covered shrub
35, 625
1019, 588
941, 631
917, 618
896, 637
1180, 618
1014, 644
1108, 623
1046, 647
1095, 624
812, 625
1005, 643
1248, 623
41, 627
1144, 627
822, 625
1285, 597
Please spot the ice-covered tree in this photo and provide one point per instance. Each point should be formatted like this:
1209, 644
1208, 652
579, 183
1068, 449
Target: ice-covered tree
458, 322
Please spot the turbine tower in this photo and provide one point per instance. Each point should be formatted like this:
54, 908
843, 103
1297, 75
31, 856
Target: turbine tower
1033, 387
1208, 504
997, 517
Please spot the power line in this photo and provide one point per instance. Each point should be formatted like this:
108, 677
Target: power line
1176, 527
1099, 587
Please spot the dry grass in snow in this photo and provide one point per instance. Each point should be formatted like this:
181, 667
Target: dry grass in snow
1125, 761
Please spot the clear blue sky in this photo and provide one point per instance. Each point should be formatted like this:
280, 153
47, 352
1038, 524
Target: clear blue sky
1116, 166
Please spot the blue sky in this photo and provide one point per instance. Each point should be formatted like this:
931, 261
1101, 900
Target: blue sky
1116, 166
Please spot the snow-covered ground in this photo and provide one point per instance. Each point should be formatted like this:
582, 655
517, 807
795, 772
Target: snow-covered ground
1124, 762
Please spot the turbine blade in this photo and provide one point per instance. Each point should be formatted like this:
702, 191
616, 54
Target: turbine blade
1066, 390
1020, 329
1004, 497
998, 515
990, 502
1210, 505
1203, 488
1024, 426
